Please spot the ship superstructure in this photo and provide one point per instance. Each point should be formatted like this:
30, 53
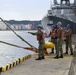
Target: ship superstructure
64, 12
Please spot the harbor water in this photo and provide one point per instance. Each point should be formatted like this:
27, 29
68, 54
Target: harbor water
10, 53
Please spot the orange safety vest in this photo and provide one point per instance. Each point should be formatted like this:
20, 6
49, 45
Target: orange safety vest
61, 34
53, 32
41, 37
69, 36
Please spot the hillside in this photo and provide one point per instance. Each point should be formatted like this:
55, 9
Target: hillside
25, 22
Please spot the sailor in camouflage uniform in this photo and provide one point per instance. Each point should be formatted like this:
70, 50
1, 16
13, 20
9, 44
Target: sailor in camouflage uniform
59, 41
68, 41
41, 41
53, 37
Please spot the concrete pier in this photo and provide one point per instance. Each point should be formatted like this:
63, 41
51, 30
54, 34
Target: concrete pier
47, 66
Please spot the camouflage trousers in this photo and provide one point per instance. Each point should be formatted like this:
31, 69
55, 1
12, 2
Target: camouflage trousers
69, 45
54, 40
59, 46
40, 50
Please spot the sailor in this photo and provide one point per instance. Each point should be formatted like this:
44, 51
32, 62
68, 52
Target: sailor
68, 35
53, 37
41, 41
59, 41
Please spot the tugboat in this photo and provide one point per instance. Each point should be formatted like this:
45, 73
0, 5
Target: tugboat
64, 12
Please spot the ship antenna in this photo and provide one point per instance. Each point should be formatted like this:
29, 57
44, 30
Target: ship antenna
75, 2
50, 4
55, 2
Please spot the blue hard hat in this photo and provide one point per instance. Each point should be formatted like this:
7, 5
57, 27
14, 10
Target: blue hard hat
59, 23
68, 25
39, 26
54, 26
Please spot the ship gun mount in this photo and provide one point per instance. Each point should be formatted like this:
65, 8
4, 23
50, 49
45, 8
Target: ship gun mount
67, 1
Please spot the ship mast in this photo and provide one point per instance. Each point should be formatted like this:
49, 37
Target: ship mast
75, 2
55, 2
74, 8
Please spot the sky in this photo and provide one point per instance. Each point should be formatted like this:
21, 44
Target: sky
24, 9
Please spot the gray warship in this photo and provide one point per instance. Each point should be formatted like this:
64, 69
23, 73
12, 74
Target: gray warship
65, 12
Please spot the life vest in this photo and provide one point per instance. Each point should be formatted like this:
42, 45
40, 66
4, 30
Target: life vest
69, 36
53, 32
61, 34
41, 37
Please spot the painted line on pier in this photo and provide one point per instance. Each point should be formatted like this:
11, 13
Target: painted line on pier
14, 63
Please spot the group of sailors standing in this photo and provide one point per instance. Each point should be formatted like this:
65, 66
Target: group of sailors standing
57, 37
57, 34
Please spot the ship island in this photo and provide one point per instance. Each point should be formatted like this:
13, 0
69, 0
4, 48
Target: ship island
65, 12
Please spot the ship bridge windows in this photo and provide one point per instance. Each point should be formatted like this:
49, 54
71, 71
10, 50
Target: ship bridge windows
50, 23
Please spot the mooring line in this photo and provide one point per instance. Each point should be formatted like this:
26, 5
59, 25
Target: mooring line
27, 48
12, 44
17, 34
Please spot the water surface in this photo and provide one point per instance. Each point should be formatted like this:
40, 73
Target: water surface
10, 53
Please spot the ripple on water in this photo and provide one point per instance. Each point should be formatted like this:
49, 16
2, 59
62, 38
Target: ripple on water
10, 53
